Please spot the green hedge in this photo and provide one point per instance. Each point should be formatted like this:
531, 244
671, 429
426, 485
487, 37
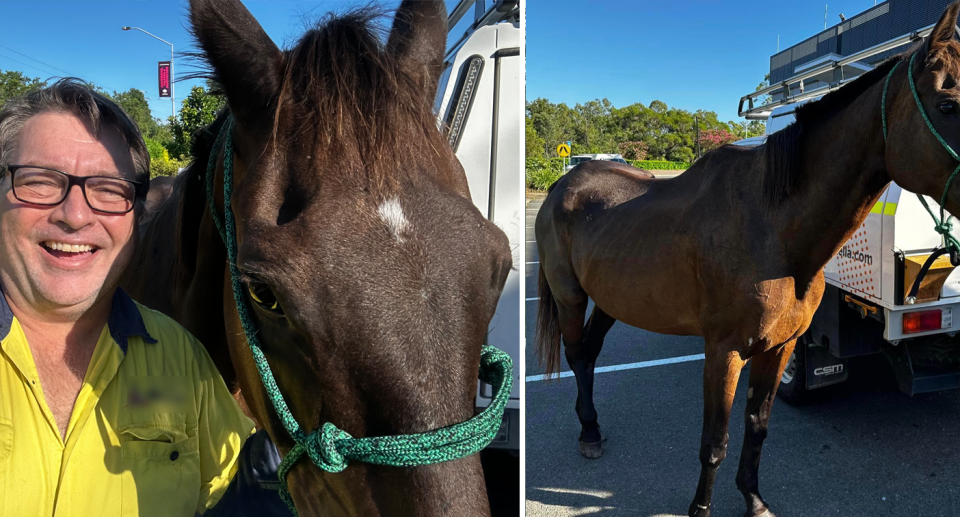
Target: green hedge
160, 162
660, 165
542, 172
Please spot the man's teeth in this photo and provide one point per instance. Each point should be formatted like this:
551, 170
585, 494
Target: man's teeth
73, 248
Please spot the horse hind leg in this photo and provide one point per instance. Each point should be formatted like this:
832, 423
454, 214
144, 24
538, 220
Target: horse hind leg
765, 372
582, 355
721, 372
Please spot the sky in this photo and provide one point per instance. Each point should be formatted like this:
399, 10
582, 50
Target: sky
82, 38
690, 54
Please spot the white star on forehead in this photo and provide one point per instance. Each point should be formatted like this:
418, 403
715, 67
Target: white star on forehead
391, 213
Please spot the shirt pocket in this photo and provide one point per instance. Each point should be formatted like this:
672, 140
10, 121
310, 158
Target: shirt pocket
6, 440
6, 450
161, 466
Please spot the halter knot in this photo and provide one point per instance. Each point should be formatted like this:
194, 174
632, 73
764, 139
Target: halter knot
944, 227
322, 447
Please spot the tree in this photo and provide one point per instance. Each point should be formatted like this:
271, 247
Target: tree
763, 99
552, 122
757, 128
590, 127
134, 103
658, 107
748, 128
711, 139
629, 124
535, 146
14, 84
199, 109
633, 150
656, 131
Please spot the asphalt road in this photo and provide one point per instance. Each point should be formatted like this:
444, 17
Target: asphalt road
862, 449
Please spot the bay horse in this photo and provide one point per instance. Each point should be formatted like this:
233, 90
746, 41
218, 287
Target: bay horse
370, 275
734, 248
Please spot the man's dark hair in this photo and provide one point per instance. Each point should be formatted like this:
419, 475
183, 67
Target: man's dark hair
71, 95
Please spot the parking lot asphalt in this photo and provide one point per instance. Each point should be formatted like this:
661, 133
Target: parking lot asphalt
861, 449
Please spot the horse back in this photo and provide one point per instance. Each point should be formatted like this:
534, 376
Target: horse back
601, 183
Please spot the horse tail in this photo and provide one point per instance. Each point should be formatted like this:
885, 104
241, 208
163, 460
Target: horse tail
548, 328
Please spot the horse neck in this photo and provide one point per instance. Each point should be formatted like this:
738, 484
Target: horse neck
842, 175
179, 270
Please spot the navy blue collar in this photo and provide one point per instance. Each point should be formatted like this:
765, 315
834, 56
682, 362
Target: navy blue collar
125, 320
6, 317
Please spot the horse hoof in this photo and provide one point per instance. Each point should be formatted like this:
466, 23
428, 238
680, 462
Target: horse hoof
764, 513
699, 511
591, 451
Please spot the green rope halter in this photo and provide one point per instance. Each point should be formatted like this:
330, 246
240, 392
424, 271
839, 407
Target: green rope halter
330, 447
942, 225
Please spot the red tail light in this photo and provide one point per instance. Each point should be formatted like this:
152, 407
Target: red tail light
921, 321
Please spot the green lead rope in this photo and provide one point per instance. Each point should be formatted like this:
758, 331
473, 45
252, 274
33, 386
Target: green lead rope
942, 225
330, 448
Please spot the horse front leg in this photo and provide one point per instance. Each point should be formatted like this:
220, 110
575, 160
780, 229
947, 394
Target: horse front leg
721, 372
765, 372
582, 357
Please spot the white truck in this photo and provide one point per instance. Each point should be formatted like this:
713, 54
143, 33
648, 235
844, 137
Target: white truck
479, 105
889, 289
580, 158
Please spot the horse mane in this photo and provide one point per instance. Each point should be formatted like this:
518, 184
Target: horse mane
341, 83
783, 172
345, 83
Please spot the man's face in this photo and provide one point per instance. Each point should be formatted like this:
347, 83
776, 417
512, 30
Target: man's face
42, 276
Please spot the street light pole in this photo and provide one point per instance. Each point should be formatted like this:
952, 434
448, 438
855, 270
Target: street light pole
173, 106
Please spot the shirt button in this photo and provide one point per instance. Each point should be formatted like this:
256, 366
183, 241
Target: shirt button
174, 455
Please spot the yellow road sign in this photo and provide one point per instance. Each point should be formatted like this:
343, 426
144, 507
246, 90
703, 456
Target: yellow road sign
563, 150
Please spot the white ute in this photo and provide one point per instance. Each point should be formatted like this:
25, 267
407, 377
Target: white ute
867, 307
479, 105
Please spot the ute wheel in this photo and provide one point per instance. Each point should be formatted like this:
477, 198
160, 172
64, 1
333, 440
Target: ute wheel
793, 383
936, 352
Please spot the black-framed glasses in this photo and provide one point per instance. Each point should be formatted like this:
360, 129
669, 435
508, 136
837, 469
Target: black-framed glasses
49, 187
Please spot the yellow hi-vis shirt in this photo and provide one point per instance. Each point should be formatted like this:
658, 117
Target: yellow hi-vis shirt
154, 430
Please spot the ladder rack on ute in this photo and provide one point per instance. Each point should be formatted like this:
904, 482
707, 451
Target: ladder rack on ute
764, 111
499, 11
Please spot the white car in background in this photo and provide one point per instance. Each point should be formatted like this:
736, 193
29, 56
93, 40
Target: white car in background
580, 158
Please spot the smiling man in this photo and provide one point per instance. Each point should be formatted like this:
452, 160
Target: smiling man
106, 407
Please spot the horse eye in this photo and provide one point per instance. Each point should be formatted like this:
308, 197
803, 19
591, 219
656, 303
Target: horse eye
947, 107
263, 295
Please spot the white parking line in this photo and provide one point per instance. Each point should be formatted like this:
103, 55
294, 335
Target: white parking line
532, 262
532, 299
629, 366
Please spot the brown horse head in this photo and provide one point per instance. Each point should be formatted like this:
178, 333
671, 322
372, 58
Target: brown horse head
370, 274
915, 158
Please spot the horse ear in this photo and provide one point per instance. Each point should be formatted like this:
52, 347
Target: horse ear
419, 39
945, 30
246, 62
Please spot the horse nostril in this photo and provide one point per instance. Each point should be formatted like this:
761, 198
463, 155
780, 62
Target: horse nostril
263, 295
